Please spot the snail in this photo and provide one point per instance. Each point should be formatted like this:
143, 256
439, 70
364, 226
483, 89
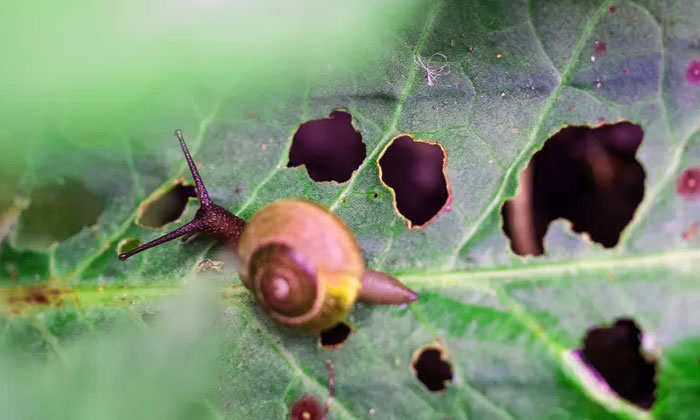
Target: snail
300, 261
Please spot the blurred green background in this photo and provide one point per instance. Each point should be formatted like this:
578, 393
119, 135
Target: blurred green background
75, 71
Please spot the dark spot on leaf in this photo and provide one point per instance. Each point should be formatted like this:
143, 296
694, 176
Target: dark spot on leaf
374, 194
330, 148
38, 298
612, 9
23, 298
127, 244
56, 212
149, 318
431, 369
616, 355
335, 336
415, 171
166, 207
692, 73
625, 70
688, 184
589, 176
600, 48
308, 408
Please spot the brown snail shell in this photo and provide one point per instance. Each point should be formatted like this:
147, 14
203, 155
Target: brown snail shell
294, 249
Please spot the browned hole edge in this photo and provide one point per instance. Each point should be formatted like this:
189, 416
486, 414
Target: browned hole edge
444, 356
342, 343
586, 237
156, 195
10, 217
125, 241
290, 141
448, 202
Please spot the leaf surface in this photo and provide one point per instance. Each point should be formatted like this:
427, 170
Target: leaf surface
519, 71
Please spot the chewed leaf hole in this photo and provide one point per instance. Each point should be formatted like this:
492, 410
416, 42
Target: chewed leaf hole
330, 148
432, 369
589, 176
335, 336
308, 408
166, 207
616, 355
415, 171
127, 244
56, 212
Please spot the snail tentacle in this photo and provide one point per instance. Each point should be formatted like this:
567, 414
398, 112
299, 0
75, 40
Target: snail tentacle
211, 218
191, 227
202, 193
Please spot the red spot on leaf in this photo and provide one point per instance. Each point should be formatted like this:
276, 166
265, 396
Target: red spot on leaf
692, 232
600, 48
688, 184
692, 74
308, 408
625, 70
613, 9
601, 119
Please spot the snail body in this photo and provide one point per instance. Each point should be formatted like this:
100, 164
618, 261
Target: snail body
300, 261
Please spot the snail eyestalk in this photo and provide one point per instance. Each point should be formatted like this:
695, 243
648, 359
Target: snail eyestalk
202, 193
210, 218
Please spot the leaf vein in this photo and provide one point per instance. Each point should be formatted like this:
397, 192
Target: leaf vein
534, 136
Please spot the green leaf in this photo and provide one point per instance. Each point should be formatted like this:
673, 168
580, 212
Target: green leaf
519, 71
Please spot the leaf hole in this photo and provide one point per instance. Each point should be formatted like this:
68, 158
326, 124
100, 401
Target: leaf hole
331, 148
589, 176
432, 368
335, 336
374, 195
149, 318
56, 212
165, 207
616, 354
127, 244
414, 170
